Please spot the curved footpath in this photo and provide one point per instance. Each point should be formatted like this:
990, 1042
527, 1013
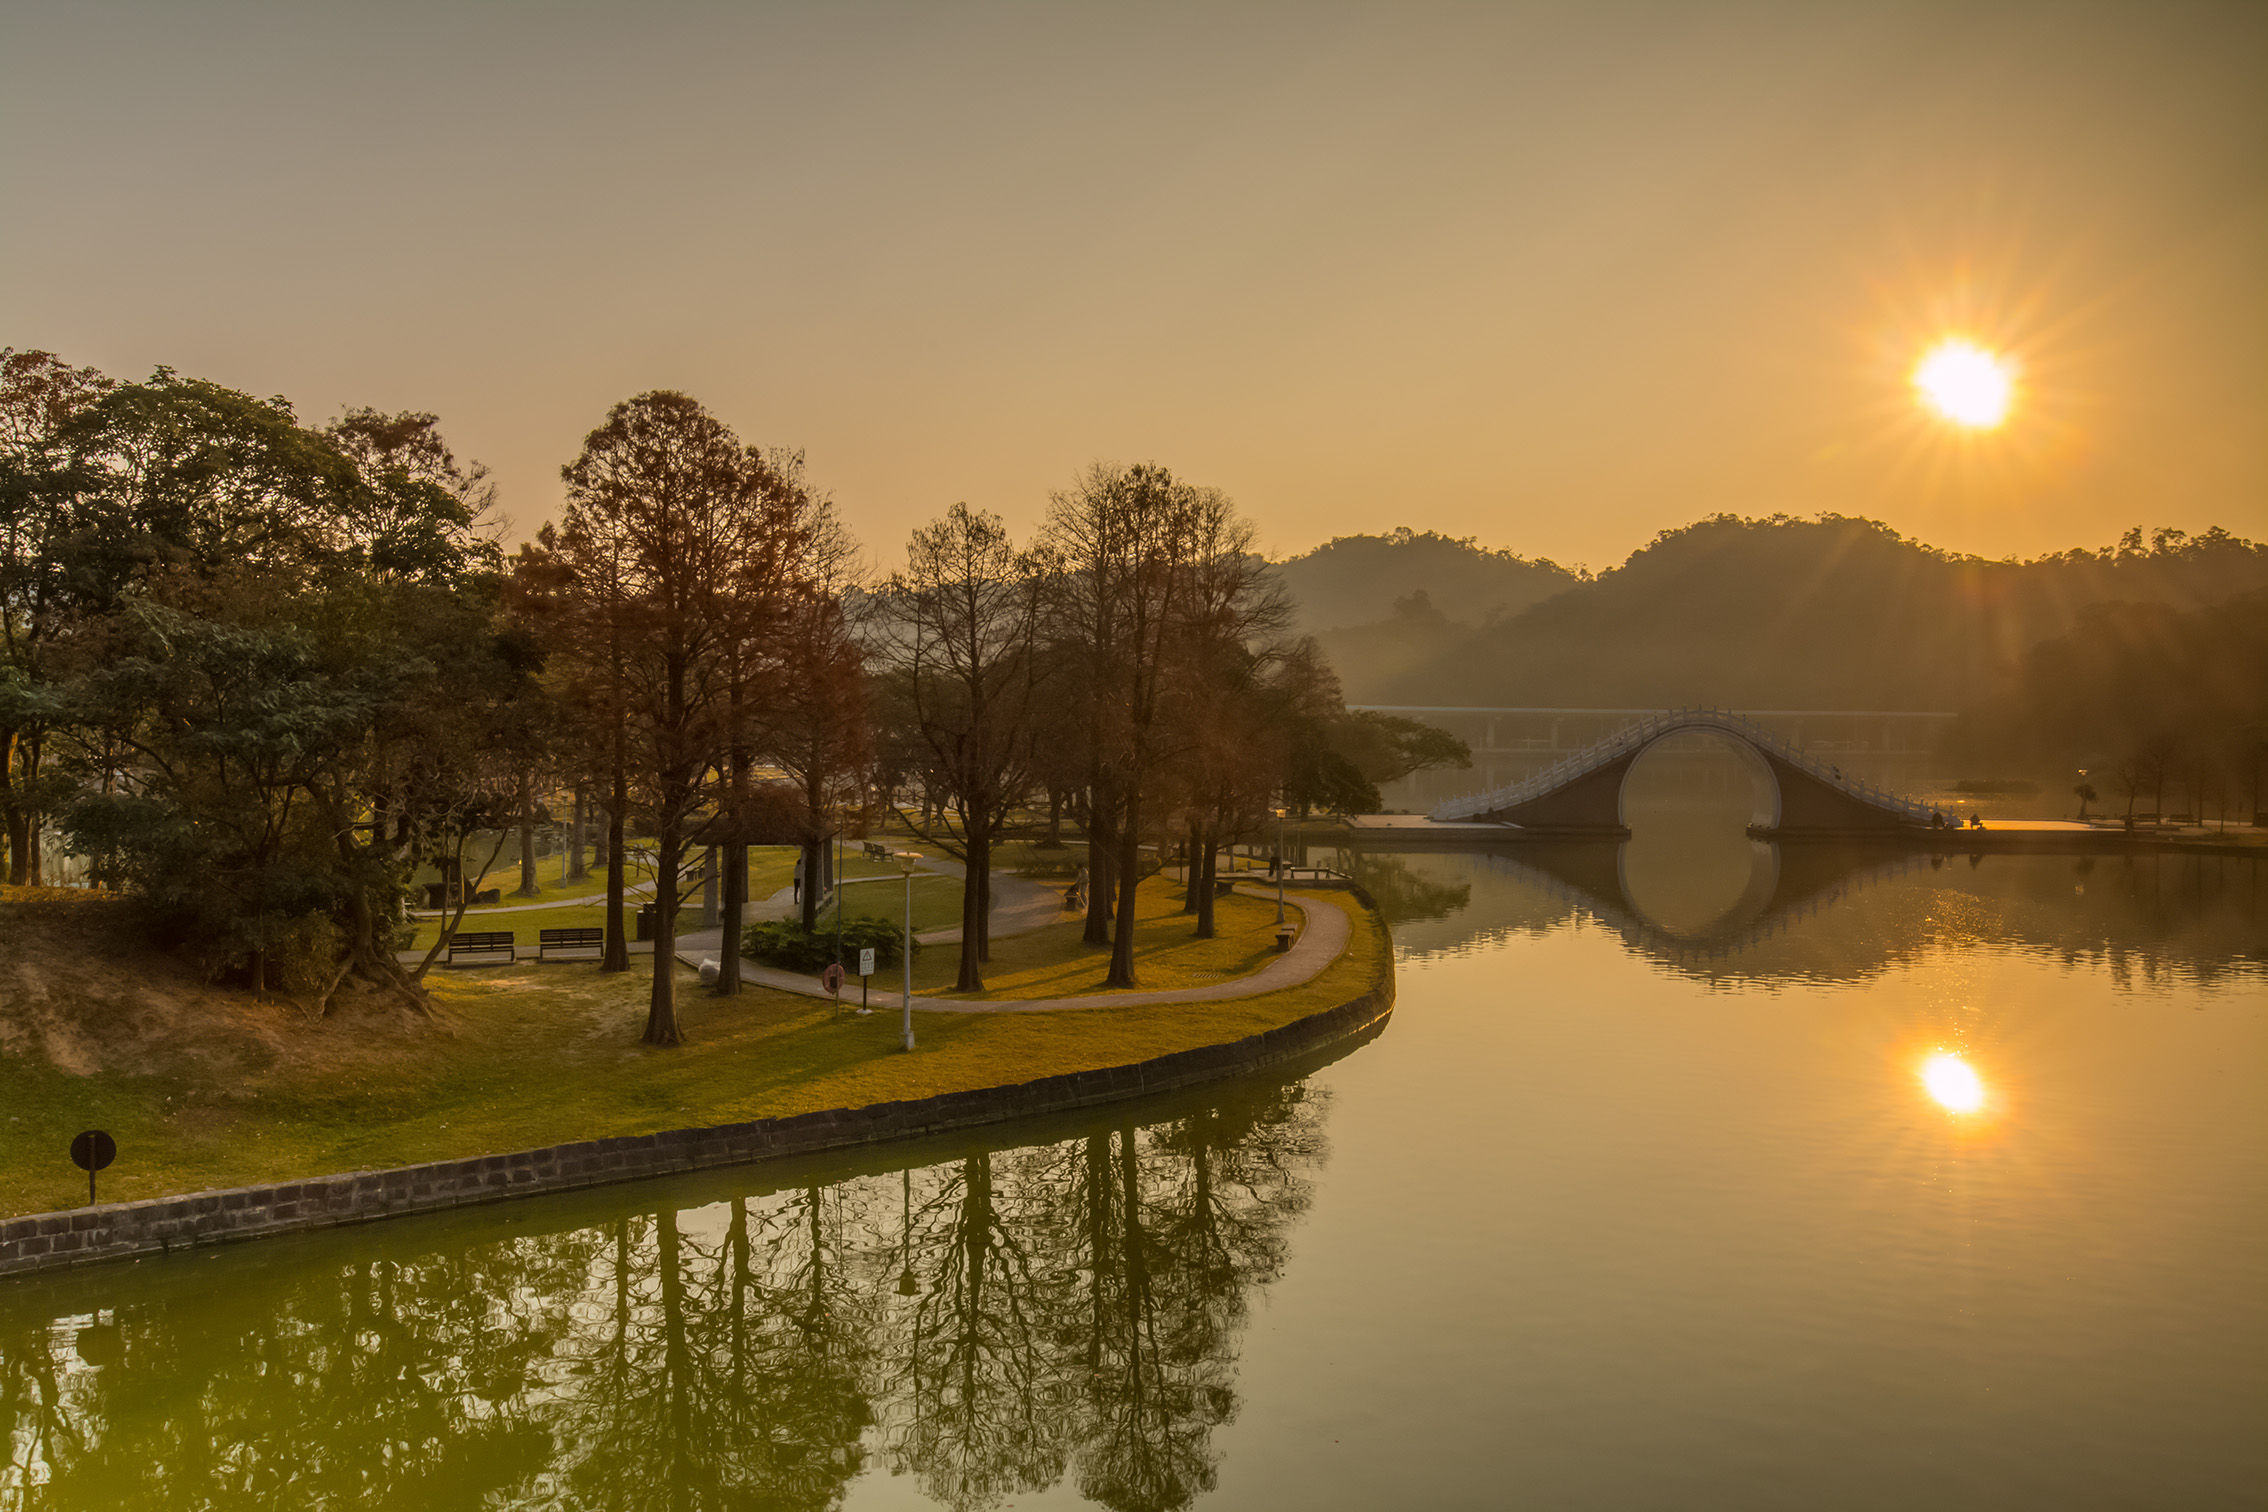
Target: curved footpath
51, 1241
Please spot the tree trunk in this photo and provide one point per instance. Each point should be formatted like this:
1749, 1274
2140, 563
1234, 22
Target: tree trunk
984, 900
1054, 816
19, 847
617, 954
709, 916
661, 1009
1189, 871
1101, 867
576, 870
11, 816
734, 919
1203, 867
971, 976
23, 819
530, 884
1129, 877
810, 901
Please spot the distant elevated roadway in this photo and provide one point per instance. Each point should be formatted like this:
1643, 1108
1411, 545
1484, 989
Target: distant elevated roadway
1800, 794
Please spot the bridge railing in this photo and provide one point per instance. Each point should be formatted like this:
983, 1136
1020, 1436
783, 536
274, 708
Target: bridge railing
1639, 732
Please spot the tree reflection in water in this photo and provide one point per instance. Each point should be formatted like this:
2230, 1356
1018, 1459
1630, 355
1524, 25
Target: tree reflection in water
1074, 1313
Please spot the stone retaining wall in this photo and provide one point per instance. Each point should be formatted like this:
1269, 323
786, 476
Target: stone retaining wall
50, 1241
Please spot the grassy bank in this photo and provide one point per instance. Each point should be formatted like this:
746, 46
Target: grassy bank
207, 1088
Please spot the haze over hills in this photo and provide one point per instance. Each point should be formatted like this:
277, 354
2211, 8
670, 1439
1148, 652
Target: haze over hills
1833, 612
1384, 605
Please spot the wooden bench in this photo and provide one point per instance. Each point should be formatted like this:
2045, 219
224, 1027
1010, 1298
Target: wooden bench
876, 852
482, 942
582, 938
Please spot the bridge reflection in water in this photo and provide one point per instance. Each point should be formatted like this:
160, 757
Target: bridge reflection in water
1715, 905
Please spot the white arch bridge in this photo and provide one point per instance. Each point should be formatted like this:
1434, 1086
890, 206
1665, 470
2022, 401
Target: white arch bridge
1800, 794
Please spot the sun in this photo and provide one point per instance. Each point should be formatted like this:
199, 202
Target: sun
1965, 383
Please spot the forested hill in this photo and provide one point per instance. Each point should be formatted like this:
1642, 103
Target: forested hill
1414, 593
1355, 580
1773, 613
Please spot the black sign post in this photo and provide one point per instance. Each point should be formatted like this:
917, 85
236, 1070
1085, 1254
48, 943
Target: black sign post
90, 1152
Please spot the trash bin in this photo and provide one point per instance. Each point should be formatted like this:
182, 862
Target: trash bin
646, 913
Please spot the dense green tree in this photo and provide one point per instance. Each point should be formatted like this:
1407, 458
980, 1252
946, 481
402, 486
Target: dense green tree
41, 597
257, 637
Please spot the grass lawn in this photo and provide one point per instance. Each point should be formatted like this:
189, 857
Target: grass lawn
207, 1089
1055, 962
1036, 860
936, 903
770, 868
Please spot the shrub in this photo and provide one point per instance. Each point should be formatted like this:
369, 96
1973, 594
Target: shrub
785, 943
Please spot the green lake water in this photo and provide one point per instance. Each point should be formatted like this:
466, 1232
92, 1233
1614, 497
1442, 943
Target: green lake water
1689, 1173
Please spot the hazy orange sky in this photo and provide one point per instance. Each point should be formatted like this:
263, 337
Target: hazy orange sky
1554, 276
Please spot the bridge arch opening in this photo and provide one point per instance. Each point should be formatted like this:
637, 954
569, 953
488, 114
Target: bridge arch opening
1698, 777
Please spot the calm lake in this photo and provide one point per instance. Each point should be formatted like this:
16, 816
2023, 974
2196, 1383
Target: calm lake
1688, 1173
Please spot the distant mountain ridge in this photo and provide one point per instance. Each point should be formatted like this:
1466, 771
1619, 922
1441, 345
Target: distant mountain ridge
1774, 612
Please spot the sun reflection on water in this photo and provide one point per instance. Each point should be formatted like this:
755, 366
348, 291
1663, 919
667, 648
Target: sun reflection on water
1953, 1082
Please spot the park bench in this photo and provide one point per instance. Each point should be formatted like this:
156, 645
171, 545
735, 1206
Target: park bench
588, 937
875, 851
482, 942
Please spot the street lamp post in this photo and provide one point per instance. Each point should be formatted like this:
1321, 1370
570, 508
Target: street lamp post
906, 860
1280, 866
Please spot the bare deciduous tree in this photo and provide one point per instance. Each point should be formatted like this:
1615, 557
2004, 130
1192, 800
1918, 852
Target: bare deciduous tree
677, 546
959, 626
